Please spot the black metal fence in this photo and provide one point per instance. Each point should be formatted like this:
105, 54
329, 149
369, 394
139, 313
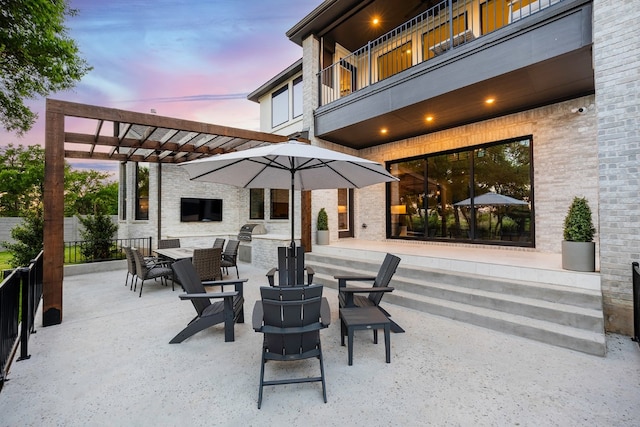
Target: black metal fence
81, 251
635, 273
20, 294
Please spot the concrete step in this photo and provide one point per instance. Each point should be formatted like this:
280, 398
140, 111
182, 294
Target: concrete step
558, 315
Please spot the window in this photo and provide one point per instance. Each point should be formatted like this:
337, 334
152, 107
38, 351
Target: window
280, 106
142, 192
123, 191
482, 194
394, 61
256, 203
279, 204
297, 97
343, 209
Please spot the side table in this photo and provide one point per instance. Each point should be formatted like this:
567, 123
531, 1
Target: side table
359, 318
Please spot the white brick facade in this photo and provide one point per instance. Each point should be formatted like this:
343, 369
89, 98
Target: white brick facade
616, 52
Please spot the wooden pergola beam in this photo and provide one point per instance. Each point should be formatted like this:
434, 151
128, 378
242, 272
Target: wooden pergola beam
169, 152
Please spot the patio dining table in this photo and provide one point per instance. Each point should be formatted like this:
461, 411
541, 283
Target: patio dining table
175, 254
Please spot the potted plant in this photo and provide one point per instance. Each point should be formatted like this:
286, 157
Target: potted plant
322, 227
578, 248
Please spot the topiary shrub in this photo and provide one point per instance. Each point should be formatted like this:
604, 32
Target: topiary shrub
578, 225
323, 220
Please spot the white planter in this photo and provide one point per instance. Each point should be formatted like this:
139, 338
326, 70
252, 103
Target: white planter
579, 256
322, 237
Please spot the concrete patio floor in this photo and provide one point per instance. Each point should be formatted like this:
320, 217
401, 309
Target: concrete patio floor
110, 363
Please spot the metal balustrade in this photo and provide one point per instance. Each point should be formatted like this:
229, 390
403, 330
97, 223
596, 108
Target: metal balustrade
446, 26
20, 295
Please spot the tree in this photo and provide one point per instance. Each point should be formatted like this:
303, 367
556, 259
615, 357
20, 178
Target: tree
21, 179
89, 192
28, 238
22, 185
36, 57
98, 236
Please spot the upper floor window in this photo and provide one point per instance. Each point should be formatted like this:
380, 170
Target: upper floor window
297, 97
280, 106
394, 61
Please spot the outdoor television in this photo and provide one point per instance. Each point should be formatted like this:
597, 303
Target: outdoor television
200, 210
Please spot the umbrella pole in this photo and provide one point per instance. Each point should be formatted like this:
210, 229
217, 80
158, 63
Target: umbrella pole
292, 248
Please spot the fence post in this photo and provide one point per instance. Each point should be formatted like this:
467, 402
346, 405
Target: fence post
25, 285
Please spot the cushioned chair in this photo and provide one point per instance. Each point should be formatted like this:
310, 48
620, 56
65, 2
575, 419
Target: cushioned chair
291, 268
219, 243
229, 309
291, 319
131, 266
145, 271
230, 256
349, 296
207, 263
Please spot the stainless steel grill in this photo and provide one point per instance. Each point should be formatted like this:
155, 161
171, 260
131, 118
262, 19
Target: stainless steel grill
248, 230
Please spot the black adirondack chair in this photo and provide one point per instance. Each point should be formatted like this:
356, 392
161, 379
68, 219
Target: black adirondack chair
291, 319
229, 310
349, 296
291, 268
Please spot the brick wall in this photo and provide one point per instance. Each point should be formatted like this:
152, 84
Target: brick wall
565, 153
616, 53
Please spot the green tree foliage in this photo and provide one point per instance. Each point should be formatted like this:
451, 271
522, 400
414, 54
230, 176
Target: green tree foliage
97, 234
22, 185
88, 192
36, 57
21, 179
28, 238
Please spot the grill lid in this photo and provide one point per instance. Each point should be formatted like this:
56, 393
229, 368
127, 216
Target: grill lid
247, 230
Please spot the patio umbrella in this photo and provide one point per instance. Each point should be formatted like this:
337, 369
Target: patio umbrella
292, 165
491, 198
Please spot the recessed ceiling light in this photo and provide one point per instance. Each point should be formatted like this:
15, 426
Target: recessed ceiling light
375, 21
429, 118
384, 131
490, 101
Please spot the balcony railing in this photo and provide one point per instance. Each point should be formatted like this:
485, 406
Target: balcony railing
444, 27
81, 251
20, 294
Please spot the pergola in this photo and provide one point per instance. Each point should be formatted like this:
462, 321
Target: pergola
119, 135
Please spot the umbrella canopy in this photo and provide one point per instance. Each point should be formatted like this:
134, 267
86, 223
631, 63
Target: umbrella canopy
491, 199
292, 165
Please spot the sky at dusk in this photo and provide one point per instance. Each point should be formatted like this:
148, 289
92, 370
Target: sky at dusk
190, 59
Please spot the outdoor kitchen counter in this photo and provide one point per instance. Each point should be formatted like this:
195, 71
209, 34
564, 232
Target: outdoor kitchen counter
262, 250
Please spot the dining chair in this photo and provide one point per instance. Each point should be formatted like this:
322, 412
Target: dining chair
207, 263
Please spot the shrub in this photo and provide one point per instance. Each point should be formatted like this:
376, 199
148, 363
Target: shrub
578, 225
98, 236
323, 220
28, 238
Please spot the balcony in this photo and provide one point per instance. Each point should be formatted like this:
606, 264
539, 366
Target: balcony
445, 61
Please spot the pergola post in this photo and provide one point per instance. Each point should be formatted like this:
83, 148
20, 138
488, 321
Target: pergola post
53, 216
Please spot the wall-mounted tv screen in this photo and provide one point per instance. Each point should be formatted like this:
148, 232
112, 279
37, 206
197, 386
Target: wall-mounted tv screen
202, 210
